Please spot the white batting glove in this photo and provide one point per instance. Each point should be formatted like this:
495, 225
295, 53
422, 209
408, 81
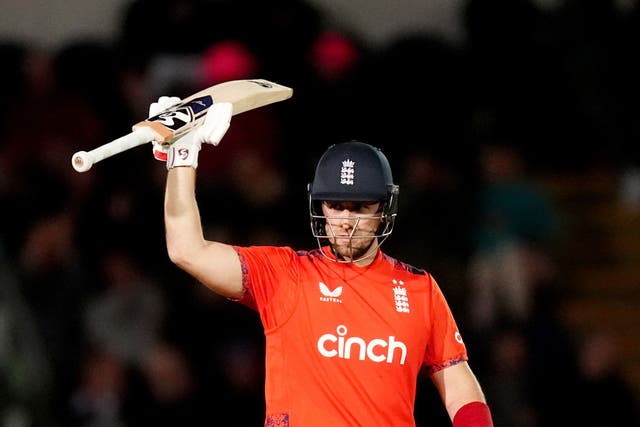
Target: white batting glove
159, 149
185, 150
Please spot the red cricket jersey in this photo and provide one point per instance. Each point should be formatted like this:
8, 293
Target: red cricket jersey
345, 344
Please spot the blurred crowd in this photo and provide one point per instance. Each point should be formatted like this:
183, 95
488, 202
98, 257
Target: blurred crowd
99, 329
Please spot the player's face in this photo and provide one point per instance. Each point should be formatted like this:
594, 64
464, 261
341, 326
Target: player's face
351, 227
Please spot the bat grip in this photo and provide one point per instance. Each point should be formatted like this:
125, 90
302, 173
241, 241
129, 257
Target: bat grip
83, 160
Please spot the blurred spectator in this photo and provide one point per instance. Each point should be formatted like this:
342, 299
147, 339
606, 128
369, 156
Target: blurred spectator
514, 235
119, 206
434, 231
165, 391
35, 177
26, 374
629, 188
552, 356
52, 283
242, 363
603, 396
126, 318
98, 397
508, 382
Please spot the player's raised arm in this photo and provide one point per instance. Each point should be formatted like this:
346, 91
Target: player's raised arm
214, 264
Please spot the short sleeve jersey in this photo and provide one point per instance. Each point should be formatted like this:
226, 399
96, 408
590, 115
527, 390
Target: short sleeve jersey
345, 344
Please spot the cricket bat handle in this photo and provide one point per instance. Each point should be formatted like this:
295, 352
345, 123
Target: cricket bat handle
83, 160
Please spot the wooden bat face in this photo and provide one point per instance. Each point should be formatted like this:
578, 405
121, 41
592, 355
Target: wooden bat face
243, 94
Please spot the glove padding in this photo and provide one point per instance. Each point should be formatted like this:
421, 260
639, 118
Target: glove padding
184, 151
164, 102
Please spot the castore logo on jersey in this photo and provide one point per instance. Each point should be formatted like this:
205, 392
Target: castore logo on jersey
329, 295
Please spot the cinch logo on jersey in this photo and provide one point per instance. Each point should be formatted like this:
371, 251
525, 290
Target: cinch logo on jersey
376, 350
330, 295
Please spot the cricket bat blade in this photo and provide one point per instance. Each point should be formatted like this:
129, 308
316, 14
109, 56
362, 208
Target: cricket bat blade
181, 118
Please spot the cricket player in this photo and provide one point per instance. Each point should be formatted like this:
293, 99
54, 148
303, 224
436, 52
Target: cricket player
348, 328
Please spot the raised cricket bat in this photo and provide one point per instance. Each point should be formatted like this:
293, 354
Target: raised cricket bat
179, 119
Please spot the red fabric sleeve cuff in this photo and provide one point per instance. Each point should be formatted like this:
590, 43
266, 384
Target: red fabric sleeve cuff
474, 414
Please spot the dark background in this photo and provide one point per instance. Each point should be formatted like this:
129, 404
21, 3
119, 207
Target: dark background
525, 131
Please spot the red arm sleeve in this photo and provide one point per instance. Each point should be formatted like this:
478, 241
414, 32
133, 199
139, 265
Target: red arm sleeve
474, 414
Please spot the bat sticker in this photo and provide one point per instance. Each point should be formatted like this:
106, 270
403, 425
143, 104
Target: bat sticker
181, 115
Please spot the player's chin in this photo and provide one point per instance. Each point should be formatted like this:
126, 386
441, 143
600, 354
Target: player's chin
351, 248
